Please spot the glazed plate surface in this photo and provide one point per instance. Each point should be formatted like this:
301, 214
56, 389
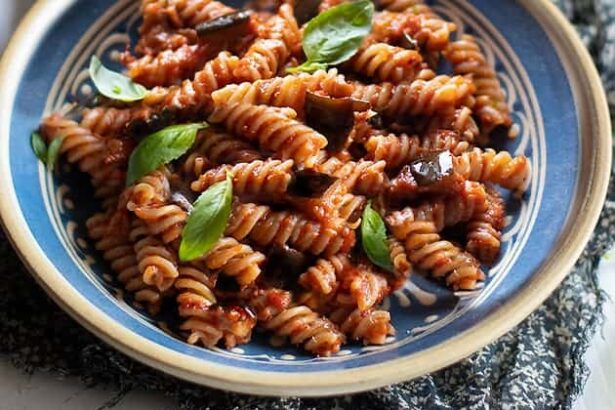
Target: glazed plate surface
558, 105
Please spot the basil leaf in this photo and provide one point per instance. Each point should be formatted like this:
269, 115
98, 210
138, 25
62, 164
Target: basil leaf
374, 238
207, 221
38, 146
53, 152
161, 148
335, 35
115, 85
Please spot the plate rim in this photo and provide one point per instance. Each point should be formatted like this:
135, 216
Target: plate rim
594, 104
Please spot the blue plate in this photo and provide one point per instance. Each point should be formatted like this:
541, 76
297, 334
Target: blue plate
558, 105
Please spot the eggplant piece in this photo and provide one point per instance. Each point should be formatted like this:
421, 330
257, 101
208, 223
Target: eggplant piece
408, 42
309, 183
284, 266
228, 21
432, 175
432, 169
333, 117
179, 199
305, 10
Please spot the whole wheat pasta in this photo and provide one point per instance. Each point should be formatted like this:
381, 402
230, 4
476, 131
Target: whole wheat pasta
169, 67
208, 327
400, 150
157, 264
429, 252
103, 159
288, 91
273, 130
120, 253
497, 167
484, 232
418, 98
491, 107
262, 178
294, 246
384, 62
300, 324
266, 227
236, 260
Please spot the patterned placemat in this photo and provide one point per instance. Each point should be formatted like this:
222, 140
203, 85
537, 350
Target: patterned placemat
539, 364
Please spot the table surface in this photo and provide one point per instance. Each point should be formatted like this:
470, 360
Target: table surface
29, 392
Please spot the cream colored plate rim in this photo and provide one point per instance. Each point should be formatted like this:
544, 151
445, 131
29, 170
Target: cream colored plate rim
595, 123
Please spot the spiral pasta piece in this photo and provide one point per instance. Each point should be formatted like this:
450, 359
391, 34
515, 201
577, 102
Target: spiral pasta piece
209, 327
462, 206
222, 148
169, 67
266, 227
184, 13
150, 202
157, 264
103, 159
195, 293
266, 56
418, 98
429, 252
193, 97
372, 326
288, 91
385, 62
398, 151
459, 120
497, 167
491, 107
302, 326
110, 121
362, 177
350, 208
271, 177
484, 231
236, 260
399, 258
362, 287
430, 30
119, 252
262, 60
323, 276
156, 37
274, 130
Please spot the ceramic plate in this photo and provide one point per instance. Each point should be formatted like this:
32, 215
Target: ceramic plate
558, 105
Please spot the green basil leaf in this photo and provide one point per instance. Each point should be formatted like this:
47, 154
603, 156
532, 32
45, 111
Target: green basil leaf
114, 85
207, 221
335, 35
53, 152
161, 148
39, 146
307, 67
374, 238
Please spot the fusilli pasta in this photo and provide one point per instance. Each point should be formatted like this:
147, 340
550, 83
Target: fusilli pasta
340, 183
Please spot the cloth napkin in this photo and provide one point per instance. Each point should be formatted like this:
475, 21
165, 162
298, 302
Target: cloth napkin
538, 365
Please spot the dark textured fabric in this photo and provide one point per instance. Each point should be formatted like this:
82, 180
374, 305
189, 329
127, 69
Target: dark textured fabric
538, 365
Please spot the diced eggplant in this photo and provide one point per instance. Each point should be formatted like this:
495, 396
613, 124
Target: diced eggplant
305, 10
333, 117
310, 184
284, 266
432, 169
228, 21
408, 42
